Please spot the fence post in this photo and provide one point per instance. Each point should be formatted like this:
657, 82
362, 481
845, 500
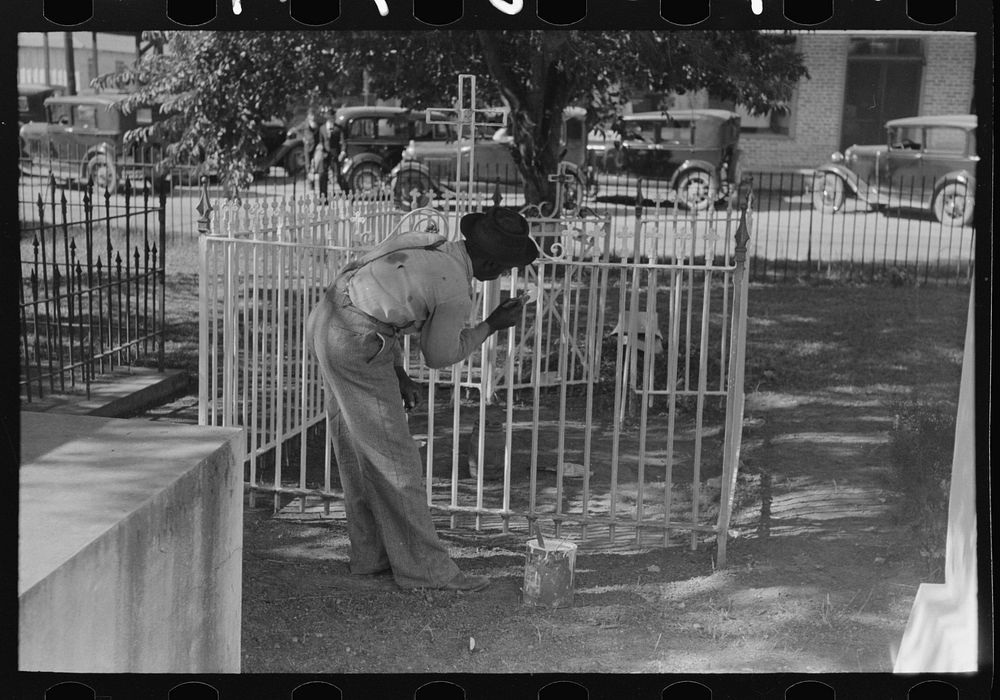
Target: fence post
734, 403
204, 229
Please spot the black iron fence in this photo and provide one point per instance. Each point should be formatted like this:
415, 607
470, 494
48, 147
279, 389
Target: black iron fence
910, 229
92, 285
907, 230
53, 168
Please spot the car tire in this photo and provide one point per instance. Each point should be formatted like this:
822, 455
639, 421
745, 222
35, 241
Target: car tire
366, 177
828, 192
409, 183
295, 161
696, 190
101, 174
952, 204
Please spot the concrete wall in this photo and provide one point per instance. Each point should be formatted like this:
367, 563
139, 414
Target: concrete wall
130, 546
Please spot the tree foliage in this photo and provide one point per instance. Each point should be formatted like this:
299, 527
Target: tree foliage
215, 89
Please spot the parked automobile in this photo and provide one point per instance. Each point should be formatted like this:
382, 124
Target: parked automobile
278, 151
927, 163
429, 164
31, 106
31, 101
372, 141
695, 150
82, 140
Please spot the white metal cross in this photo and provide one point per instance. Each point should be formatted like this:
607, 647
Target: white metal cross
465, 116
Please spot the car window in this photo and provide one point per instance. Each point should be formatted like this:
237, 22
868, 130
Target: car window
86, 117
422, 131
379, 128
906, 137
640, 131
945, 140
144, 116
361, 129
680, 135
60, 114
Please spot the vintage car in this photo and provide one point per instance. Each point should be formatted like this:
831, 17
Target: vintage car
31, 105
695, 150
926, 163
82, 140
372, 140
430, 163
31, 101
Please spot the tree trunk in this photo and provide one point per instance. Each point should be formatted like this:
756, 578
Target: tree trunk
536, 112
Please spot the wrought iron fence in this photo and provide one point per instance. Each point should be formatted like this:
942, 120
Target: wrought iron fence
91, 286
907, 230
68, 168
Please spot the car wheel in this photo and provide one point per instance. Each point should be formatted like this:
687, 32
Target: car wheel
295, 161
412, 189
953, 205
828, 192
696, 190
365, 178
101, 174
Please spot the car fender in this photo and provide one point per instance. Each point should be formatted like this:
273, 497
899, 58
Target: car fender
101, 149
278, 154
351, 163
695, 164
963, 177
412, 166
854, 184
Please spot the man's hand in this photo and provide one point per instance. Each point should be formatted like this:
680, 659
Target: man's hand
507, 314
410, 391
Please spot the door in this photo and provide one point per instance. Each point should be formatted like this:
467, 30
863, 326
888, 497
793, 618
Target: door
901, 178
877, 91
947, 150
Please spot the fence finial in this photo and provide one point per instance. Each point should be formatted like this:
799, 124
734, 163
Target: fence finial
204, 208
497, 197
742, 231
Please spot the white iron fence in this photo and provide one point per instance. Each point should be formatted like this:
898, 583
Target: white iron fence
613, 411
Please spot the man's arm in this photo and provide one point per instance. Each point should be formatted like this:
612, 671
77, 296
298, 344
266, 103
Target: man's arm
445, 339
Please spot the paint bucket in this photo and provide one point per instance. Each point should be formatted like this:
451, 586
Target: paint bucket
548, 573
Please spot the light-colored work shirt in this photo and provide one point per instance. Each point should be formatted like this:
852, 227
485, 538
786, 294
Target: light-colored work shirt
427, 292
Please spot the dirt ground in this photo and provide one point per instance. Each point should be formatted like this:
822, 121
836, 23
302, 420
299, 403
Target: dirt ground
823, 582
820, 578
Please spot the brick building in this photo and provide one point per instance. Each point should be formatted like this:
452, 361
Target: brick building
41, 57
857, 82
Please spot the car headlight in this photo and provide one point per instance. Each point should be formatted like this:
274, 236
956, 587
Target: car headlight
837, 157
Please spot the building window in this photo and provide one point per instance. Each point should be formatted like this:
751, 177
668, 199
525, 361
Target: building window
778, 122
884, 46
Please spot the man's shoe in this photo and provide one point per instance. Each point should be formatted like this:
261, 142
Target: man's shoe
468, 584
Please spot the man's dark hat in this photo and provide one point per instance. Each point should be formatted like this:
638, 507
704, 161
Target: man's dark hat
502, 235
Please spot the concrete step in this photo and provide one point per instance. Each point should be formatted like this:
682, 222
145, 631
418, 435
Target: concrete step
119, 394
